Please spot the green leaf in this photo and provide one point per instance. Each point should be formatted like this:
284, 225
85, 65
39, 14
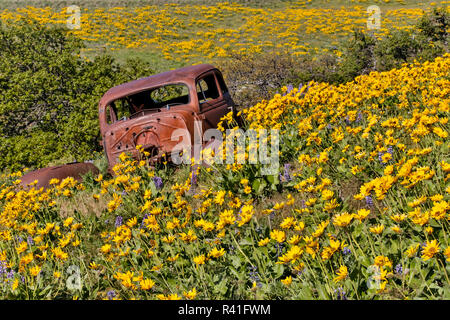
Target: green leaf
236, 261
246, 242
278, 270
321, 291
222, 287
256, 186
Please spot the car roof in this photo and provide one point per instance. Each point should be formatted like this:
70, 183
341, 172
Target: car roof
185, 74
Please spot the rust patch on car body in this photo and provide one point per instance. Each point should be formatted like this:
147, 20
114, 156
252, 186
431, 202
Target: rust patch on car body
44, 175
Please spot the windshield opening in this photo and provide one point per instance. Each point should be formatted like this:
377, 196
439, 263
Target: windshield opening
151, 100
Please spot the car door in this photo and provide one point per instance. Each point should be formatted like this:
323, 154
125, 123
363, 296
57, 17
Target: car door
213, 104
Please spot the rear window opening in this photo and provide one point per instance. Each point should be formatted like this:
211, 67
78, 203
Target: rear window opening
148, 101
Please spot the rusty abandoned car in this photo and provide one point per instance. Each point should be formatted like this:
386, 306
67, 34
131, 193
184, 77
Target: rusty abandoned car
146, 112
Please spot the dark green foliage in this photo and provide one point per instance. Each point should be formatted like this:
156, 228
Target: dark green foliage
49, 95
435, 26
358, 57
427, 40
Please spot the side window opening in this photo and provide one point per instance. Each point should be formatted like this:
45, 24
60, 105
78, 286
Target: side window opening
222, 85
118, 110
207, 88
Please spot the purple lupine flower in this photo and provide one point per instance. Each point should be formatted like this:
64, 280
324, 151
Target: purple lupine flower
359, 118
286, 175
380, 157
307, 88
30, 241
340, 293
390, 150
239, 218
111, 294
143, 219
346, 251
254, 275
194, 177
290, 87
2, 267
119, 221
398, 269
158, 182
347, 120
10, 274
299, 273
279, 247
369, 201
272, 215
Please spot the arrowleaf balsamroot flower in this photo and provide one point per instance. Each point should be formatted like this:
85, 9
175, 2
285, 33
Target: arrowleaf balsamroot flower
342, 219
377, 229
146, 284
190, 295
430, 249
278, 235
412, 250
200, 259
342, 273
216, 253
287, 281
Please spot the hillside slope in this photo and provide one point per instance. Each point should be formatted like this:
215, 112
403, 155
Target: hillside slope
359, 209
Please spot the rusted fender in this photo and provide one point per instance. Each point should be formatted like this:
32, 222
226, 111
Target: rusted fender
44, 175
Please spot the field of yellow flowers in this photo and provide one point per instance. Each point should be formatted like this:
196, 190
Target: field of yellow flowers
359, 209
180, 34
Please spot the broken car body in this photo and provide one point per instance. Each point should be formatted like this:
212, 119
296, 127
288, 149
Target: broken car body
150, 112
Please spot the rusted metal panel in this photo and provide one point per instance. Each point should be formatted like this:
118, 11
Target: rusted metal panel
43, 176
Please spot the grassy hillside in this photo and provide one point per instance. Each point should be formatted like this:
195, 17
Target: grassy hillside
171, 35
359, 209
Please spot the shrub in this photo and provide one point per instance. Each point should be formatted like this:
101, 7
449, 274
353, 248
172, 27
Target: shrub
251, 78
358, 57
435, 25
49, 94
